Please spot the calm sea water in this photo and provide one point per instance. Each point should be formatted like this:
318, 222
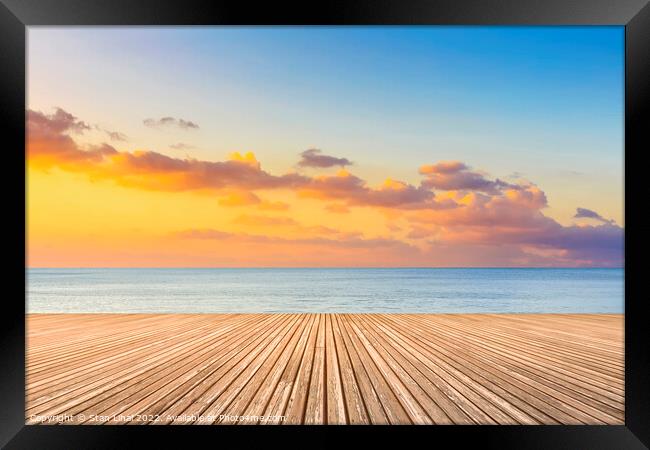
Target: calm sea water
325, 290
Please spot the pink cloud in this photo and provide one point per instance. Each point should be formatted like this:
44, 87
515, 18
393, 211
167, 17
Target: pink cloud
456, 176
456, 213
50, 145
355, 192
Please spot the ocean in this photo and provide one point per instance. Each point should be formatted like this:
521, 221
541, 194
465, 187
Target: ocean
357, 290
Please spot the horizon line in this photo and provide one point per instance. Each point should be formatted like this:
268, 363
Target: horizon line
331, 267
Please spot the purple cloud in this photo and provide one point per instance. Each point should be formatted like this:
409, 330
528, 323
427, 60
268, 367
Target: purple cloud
314, 158
170, 121
584, 213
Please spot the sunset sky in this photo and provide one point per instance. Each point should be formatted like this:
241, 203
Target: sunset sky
325, 146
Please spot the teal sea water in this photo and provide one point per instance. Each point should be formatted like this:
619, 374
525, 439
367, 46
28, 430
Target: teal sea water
325, 290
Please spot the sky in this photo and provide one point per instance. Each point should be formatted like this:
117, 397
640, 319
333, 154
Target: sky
423, 146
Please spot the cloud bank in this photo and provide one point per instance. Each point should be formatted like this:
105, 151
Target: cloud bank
455, 216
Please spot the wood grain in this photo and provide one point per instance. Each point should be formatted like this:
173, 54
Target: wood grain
325, 369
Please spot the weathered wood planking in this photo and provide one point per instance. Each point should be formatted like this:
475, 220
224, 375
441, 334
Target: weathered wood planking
325, 368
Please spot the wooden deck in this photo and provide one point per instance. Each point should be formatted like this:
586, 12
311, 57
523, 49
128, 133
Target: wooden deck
325, 368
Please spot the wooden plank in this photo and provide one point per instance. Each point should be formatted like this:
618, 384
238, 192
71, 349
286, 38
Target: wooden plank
147, 391
416, 386
289, 365
395, 411
295, 410
108, 386
500, 357
368, 394
523, 361
251, 400
351, 393
423, 347
315, 412
110, 372
336, 414
209, 399
325, 368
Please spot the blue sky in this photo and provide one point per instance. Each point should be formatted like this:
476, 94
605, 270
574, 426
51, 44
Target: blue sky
543, 102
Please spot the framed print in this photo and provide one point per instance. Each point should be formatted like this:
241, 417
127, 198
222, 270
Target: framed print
365, 218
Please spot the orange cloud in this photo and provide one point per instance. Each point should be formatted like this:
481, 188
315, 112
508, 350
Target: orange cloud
254, 220
343, 242
355, 192
514, 218
338, 209
443, 167
249, 158
456, 214
284, 225
267, 205
240, 198
49, 145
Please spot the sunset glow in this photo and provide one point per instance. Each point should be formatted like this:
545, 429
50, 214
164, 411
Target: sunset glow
157, 185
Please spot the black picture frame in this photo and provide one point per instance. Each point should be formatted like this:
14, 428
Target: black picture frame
634, 15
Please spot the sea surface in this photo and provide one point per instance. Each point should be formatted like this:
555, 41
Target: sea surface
325, 290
